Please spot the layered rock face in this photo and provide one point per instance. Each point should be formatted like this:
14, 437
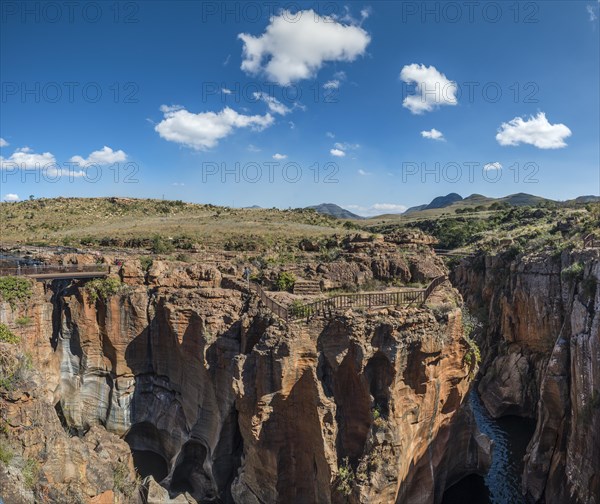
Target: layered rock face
222, 402
542, 346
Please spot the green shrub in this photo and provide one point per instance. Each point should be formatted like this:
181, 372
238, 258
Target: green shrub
146, 262
441, 311
299, 309
512, 252
160, 245
285, 281
6, 453
345, 477
122, 483
327, 254
23, 321
103, 288
572, 273
14, 369
6, 335
184, 258
15, 289
31, 472
473, 355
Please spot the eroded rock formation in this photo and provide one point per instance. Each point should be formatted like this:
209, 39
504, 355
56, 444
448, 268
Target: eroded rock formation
223, 402
543, 361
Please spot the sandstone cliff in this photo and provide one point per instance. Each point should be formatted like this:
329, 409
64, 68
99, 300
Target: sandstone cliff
542, 347
224, 402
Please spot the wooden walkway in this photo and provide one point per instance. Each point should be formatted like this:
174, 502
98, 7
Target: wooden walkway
591, 241
58, 271
453, 253
328, 307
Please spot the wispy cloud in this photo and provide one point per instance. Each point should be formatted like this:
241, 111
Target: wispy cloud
273, 103
492, 166
592, 11
377, 209
433, 134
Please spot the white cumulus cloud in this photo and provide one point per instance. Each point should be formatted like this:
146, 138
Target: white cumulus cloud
25, 158
389, 207
337, 152
433, 134
432, 88
204, 130
279, 156
11, 197
492, 166
3, 143
295, 46
104, 156
536, 131
377, 209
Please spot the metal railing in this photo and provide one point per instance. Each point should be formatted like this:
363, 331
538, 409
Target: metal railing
452, 253
435, 283
61, 270
590, 241
274, 306
366, 300
327, 307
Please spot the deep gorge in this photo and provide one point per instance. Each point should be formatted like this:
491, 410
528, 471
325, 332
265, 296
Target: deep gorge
222, 402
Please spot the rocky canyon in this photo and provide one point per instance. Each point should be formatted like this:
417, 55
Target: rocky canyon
541, 346
180, 386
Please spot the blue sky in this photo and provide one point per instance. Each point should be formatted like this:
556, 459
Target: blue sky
376, 106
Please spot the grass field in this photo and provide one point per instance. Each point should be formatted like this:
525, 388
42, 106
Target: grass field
134, 222
170, 225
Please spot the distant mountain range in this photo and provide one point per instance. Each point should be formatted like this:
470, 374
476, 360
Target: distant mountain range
519, 199
439, 202
456, 201
335, 211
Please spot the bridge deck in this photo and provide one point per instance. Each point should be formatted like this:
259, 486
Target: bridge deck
57, 271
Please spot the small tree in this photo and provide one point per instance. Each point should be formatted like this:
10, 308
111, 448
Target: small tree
285, 281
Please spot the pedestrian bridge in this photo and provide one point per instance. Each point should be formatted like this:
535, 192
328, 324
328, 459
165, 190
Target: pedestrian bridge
57, 271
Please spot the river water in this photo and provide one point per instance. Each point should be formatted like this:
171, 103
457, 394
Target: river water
502, 483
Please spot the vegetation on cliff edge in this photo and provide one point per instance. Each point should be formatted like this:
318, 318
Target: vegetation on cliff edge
15, 289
